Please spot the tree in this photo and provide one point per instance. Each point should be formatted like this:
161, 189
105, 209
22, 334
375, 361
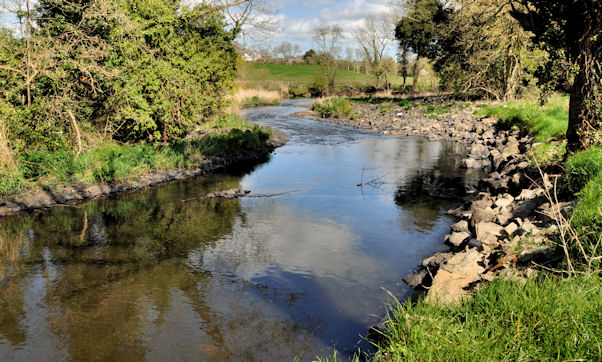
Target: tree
326, 39
252, 19
374, 36
310, 57
570, 30
285, 48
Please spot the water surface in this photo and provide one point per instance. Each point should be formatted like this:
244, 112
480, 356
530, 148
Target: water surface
298, 267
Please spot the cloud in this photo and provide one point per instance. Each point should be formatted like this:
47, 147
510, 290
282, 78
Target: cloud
297, 19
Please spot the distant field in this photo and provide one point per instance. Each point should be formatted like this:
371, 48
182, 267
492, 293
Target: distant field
304, 74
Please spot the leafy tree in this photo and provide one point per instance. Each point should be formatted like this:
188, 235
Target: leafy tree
310, 57
374, 37
571, 32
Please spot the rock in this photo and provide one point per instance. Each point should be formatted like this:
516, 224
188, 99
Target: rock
414, 279
510, 229
528, 194
474, 243
63, 194
528, 227
479, 151
499, 161
511, 148
436, 260
228, 194
35, 200
457, 238
525, 208
504, 216
460, 226
540, 253
482, 215
547, 212
488, 232
474, 163
504, 200
483, 202
459, 272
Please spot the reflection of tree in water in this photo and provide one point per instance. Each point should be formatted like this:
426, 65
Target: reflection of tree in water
120, 275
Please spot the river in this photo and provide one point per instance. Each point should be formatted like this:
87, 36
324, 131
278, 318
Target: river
302, 265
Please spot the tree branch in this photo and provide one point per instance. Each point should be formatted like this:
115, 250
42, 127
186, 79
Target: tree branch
217, 8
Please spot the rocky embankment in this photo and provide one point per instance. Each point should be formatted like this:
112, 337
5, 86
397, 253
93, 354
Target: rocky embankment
62, 195
502, 226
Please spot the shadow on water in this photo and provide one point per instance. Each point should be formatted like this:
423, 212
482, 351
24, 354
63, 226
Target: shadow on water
295, 269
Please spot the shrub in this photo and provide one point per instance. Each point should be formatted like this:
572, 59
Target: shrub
334, 107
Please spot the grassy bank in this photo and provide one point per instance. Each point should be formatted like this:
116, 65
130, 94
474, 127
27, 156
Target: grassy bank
302, 75
552, 316
547, 319
108, 160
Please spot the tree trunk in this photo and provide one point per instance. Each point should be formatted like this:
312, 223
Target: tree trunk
585, 108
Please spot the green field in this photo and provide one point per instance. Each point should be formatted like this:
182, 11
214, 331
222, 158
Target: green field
304, 74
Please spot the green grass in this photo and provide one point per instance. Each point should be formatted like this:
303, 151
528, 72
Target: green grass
258, 101
334, 108
112, 161
544, 319
434, 110
544, 122
304, 74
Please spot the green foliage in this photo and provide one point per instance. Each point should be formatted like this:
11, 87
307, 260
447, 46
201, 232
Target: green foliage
545, 319
113, 161
334, 107
144, 70
580, 168
434, 110
544, 122
297, 91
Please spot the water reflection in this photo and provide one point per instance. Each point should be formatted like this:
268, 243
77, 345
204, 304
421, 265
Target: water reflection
293, 270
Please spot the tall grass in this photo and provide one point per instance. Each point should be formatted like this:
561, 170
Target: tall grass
256, 96
546, 319
333, 107
551, 120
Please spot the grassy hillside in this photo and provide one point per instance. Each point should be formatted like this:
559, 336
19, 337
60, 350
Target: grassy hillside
304, 74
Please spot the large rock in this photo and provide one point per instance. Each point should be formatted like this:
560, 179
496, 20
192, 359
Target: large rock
504, 200
460, 226
433, 262
479, 151
482, 215
460, 271
488, 232
458, 238
414, 279
35, 200
511, 148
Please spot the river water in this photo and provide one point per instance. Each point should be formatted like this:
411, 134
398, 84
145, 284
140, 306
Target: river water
302, 265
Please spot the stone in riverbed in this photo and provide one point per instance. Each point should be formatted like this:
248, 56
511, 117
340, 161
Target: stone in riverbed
511, 148
479, 151
504, 200
511, 228
436, 260
488, 232
457, 238
414, 279
454, 276
481, 215
460, 226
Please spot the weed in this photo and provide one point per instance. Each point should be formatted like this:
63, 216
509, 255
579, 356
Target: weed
334, 107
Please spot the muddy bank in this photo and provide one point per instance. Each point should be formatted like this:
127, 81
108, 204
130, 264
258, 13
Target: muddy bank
503, 225
63, 195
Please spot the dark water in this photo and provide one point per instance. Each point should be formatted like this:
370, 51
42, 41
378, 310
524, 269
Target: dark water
300, 266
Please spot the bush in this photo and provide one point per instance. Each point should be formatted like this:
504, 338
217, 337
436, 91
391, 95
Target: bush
297, 91
319, 87
334, 107
580, 168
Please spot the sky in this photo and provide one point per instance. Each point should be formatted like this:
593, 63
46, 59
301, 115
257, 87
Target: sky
297, 18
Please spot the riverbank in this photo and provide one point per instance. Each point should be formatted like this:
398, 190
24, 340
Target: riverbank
202, 152
513, 242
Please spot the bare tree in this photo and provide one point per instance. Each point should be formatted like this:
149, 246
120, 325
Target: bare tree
249, 19
374, 36
327, 39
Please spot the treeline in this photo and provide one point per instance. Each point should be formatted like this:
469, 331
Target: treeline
498, 48
113, 69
